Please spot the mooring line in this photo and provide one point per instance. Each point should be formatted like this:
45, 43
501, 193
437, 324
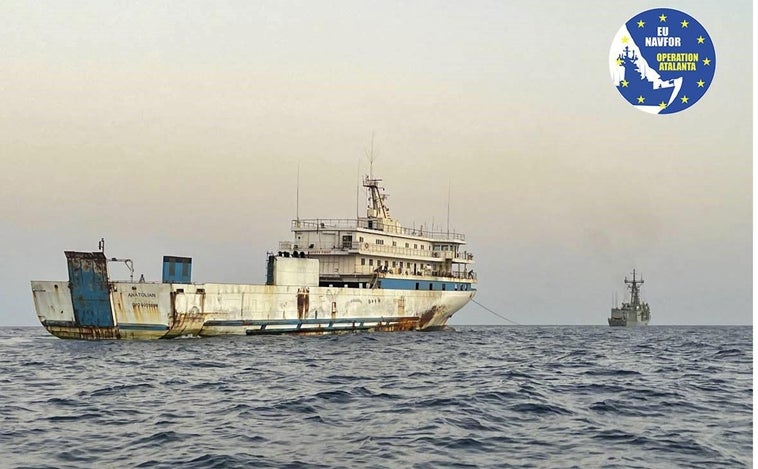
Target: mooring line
496, 314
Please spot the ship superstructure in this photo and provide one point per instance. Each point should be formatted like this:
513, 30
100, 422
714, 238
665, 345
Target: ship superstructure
336, 275
634, 312
376, 251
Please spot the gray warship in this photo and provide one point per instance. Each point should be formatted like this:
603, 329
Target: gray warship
635, 312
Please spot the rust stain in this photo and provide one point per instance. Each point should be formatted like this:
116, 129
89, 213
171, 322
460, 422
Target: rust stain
429, 314
189, 323
84, 332
118, 304
402, 324
185, 324
145, 313
394, 324
303, 302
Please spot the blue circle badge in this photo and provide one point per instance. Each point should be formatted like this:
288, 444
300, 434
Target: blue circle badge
662, 61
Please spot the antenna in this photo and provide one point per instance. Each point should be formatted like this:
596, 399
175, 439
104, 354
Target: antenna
371, 157
357, 190
448, 207
297, 194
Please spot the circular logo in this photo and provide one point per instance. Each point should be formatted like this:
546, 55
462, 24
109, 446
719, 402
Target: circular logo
662, 61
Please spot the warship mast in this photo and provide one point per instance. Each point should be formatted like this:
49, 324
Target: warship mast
634, 288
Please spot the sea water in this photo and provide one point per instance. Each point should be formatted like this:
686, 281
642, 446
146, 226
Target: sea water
473, 397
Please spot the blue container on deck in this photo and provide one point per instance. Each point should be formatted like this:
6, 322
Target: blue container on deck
177, 269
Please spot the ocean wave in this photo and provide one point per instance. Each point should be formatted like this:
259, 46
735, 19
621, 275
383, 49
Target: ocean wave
475, 397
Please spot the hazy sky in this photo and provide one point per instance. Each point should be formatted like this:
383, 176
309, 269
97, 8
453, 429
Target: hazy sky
176, 128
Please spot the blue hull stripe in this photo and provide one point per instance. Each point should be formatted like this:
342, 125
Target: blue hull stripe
142, 327
298, 322
54, 323
263, 331
122, 326
425, 284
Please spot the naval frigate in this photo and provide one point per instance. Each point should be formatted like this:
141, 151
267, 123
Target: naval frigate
634, 312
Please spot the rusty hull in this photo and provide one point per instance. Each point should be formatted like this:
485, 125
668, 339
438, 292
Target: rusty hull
157, 310
82, 332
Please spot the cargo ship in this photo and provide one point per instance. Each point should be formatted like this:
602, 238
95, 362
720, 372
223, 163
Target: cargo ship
336, 275
634, 312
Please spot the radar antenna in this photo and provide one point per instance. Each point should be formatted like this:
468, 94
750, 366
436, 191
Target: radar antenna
634, 287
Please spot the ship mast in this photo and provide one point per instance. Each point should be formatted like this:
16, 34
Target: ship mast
376, 207
634, 288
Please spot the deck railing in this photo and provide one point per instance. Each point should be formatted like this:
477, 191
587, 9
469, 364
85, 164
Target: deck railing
352, 223
369, 248
468, 275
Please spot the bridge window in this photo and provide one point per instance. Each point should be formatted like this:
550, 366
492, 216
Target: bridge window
416, 285
430, 287
363, 261
347, 242
371, 262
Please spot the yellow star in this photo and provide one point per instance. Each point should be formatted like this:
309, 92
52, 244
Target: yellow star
662, 18
640, 24
706, 61
624, 83
618, 61
685, 23
662, 105
685, 99
640, 100
624, 39
700, 40
700, 83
